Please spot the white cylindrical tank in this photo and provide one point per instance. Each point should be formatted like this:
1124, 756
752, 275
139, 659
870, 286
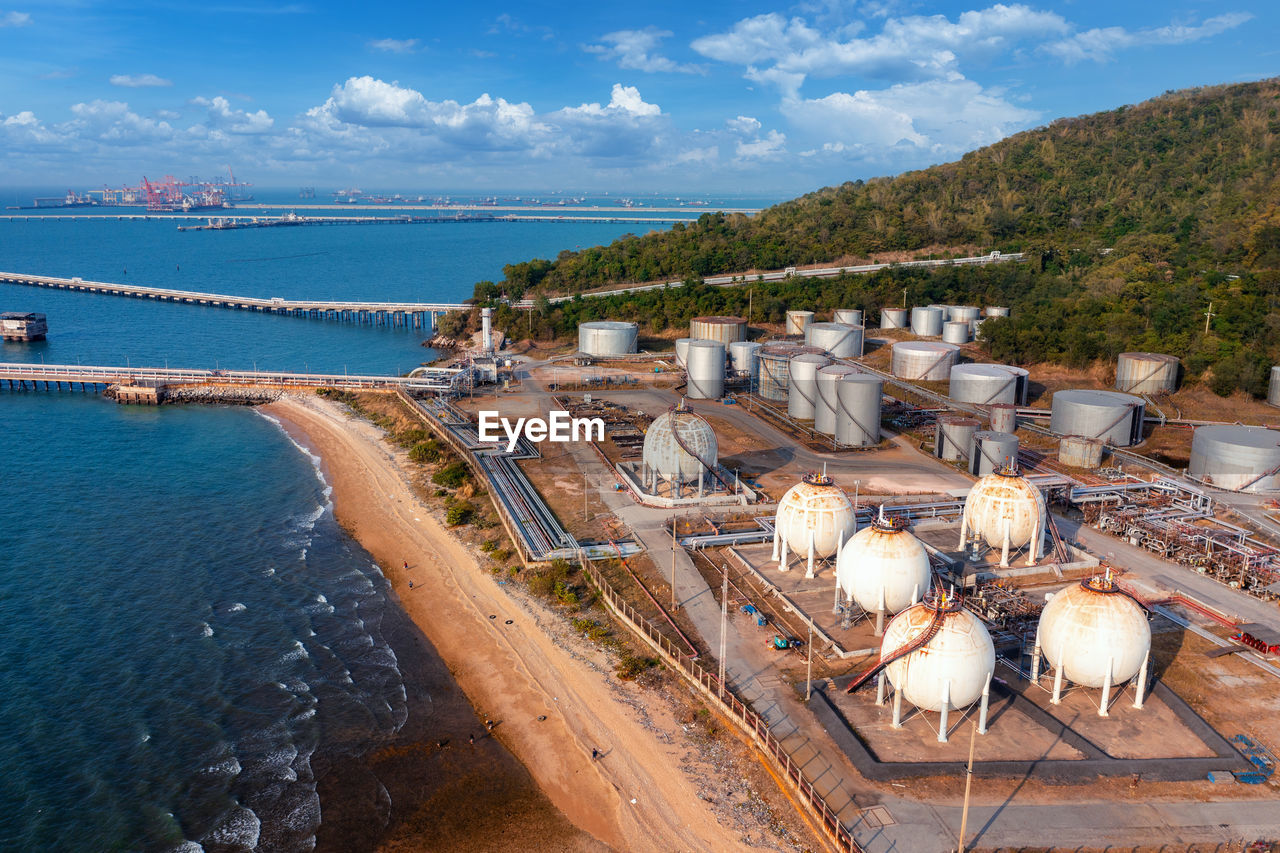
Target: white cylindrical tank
607, 337
1080, 452
955, 332
926, 322
893, 318
1239, 458
1273, 388
951, 670
682, 352
836, 339
996, 311
802, 385
670, 458
1090, 627
953, 437
883, 567
1106, 415
705, 370
742, 356
1146, 373
986, 384
726, 330
923, 360
813, 518
1006, 512
858, 410
1004, 418
798, 321
848, 316
964, 313
990, 451
828, 402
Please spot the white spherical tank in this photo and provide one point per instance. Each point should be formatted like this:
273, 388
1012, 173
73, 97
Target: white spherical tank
816, 511
1005, 511
883, 566
1092, 626
670, 458
951, 669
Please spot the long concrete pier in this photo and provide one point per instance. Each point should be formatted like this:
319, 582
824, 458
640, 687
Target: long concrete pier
21, 376
408, 314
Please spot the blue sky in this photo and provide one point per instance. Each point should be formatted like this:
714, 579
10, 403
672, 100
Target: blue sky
747, 97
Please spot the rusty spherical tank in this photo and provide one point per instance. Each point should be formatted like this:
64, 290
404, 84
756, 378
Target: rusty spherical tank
883, 564
1004, 501
1092, 625
662, 453
815, 506
955, 664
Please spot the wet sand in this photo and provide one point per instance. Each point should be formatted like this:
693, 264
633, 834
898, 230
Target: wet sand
534, 784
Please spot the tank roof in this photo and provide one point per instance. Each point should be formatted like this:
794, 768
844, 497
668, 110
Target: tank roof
983, 369
1148, 356
608, 324
1242, 436
720, 320
1102, 399
925, 346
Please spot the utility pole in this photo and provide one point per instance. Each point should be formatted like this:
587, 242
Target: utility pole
584, 502
751, 293
724, 622
968, 780
904, 297
808, 679
673, 564
1208, 315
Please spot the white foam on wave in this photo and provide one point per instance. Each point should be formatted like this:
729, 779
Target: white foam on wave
206, 630
187, 847
326, 489
237, 607
239, 827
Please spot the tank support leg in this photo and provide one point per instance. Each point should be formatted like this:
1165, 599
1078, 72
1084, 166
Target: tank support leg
1004, 551
1142, 682
897, 709
880, 680
782, 562
946, 706
880, 615
964, 529
1035, 662
777, 536
1106, 689
1057, 683
1033, 549
982, 710
915, 593
808, 571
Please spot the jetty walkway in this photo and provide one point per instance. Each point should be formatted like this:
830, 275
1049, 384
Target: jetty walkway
417, 315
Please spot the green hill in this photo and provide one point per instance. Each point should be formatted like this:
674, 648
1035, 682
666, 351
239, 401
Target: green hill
1184, 190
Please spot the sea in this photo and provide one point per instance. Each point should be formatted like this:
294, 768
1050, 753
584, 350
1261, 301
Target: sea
183, 626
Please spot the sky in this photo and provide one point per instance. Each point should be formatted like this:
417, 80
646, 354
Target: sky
747, 97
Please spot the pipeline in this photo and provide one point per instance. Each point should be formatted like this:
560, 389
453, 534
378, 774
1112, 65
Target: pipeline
935, 625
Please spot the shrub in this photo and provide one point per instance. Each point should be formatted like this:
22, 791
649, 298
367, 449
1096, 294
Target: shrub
631, 666
425, 451
488, 545
459, 513
450, 476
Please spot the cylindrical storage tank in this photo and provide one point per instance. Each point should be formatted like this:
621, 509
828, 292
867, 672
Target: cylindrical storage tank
926, 322
953, 437
772, 361
996, 311
883, 567
924, 360
682, 352
1080, 452
798, 321
965, 313
1240, 458
726, 330
1092, 627
1004, 508
607, 337
990, 451
671, 458
1273, 390
1107, 415
893, 318
848, 316
1004, 418
986, 384
814, 510
802, 385
836, 339
705, 370
858, 399
956, 332
952, 668
1146, 373
742, 357
828, 403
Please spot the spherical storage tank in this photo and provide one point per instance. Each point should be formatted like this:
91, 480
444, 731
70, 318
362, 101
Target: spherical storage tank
607, 337
836, 339
1240, 458
705, 370
893, 318
802, 385
682, 352
926, 360
726, 330
798, 321
672, 460
1005, 511
1106, 415
956, 332
954, 435
883, 567
858, 399
813, 518
1092, 627
848, 316
948, 672
828, 402
985, 384
1146, 373
991, 450
742, 356
926, 322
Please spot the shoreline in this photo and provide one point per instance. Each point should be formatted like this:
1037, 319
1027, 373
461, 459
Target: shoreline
502, 655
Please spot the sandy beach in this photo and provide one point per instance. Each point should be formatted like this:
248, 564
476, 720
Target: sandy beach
554, 699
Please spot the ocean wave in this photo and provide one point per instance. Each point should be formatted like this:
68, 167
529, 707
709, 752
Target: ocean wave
326, 488
206, 630
187, 847
238, 828
237, 607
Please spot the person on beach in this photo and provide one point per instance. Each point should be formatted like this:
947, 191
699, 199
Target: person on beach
472, 739
406, 565
595, 753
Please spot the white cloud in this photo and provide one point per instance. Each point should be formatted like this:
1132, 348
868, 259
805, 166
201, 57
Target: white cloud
746, 125
15, 19
637, 49
395, 45
138, 81
1100, 43
223, 117
772, 146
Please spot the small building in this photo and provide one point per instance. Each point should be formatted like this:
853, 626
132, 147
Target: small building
23, 326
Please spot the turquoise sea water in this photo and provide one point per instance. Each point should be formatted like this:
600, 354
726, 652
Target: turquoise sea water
182, 623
